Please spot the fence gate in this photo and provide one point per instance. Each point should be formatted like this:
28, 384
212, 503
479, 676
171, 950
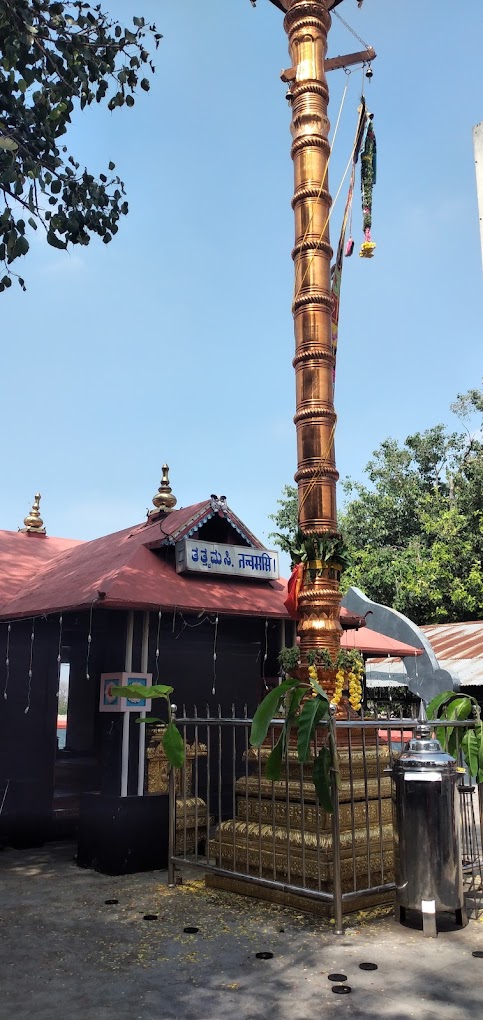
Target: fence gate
273, 839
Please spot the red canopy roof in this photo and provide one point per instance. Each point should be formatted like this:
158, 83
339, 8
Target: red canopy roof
370, 642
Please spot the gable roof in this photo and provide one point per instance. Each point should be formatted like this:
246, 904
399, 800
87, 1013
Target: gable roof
127, 570
184, 522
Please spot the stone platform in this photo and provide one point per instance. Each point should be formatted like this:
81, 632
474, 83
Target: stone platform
281, 833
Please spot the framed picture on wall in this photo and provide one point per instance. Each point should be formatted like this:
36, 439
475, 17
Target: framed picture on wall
108, 702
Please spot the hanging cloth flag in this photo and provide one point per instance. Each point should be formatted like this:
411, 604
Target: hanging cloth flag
337, 268
342, 248
293, 588
368, 180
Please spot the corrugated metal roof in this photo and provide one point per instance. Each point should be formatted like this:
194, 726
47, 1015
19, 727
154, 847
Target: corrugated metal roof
373, 680
456, 640
468, 671
459, 648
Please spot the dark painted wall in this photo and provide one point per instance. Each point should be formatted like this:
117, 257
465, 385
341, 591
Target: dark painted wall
186, 649
28, 732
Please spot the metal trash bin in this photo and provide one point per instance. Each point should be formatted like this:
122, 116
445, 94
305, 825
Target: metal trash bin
426, 811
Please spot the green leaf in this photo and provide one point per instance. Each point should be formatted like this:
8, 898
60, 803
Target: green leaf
160, 690
321, 778
147, 719
434, 706
132, 691
479, 734
273, 767
266, 711
55, 241
320, 691
9, 144
173, 745
459, 707
312, 712
471, 747
294, 703
290, 718
56, 186
21, 247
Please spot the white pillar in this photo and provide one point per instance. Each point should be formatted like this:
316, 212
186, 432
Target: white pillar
125, 720
142, 727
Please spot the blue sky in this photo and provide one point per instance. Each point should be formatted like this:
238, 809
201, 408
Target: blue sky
175, 341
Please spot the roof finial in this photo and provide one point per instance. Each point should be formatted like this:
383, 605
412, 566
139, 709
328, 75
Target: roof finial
33, 521
163, 500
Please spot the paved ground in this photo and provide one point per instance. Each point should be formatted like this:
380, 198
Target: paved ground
66, 953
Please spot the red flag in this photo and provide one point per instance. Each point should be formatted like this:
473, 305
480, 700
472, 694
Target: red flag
293, 588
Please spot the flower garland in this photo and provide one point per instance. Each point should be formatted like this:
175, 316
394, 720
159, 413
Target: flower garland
368, 180
355, 687
350, 670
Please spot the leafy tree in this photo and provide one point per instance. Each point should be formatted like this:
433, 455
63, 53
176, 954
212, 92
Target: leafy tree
54, 58
415, 531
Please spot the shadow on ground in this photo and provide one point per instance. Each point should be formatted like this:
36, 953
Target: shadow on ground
65, 952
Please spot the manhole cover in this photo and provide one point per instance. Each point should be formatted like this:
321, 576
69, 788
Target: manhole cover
341, 989
150, 917
368, 966
478, 953
191, 930
264, 956
109, 903
337, 977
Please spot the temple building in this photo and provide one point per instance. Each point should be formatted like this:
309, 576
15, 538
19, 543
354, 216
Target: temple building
191, 591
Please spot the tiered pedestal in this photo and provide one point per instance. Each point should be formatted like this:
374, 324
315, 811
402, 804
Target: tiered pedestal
281, 833
191, 812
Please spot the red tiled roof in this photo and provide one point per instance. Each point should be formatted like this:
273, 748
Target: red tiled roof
46, 575
126, 568
23, 554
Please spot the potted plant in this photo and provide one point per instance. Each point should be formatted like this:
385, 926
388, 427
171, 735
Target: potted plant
305, 704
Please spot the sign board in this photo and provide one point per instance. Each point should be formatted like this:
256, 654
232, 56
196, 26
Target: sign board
109, 703
231, 560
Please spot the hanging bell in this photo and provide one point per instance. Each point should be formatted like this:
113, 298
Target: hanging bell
369, 73
288, 95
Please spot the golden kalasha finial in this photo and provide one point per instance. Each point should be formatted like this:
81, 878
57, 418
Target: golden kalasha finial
163, 500
33, 521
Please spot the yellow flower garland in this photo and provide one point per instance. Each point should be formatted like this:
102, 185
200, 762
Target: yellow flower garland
352, 676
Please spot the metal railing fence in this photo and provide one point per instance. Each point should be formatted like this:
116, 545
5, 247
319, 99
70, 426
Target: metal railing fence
226, 816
